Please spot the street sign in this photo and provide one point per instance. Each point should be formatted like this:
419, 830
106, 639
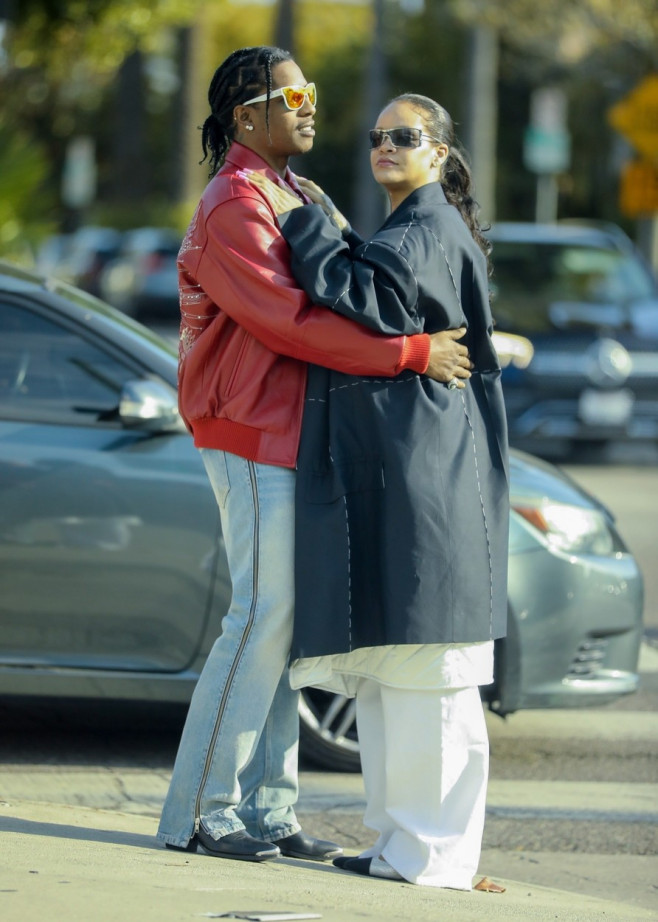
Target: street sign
546, 151
546, 142
636, 117
638, 194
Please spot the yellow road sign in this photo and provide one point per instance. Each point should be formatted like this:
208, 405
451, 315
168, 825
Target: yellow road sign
636, 117
638, 193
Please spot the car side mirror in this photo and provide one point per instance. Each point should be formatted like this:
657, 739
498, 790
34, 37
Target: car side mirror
149, 405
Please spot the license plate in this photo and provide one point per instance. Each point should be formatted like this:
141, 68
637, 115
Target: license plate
605, 408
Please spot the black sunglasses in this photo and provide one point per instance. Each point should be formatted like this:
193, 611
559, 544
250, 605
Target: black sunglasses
399, 137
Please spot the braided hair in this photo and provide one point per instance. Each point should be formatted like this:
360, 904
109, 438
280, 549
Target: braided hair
242, 75
456, 174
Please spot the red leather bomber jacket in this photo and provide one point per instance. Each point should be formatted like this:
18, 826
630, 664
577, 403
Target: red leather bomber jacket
248, 331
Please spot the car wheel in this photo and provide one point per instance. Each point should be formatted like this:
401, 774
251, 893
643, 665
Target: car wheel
328, 730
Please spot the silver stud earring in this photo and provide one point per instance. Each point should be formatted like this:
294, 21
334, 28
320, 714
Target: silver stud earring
249, 127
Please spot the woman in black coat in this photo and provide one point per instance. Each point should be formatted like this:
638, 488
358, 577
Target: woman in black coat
402, 502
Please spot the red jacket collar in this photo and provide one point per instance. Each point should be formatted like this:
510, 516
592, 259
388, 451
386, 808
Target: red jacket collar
240, 157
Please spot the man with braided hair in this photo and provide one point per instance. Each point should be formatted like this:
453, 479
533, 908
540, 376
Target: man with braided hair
248, 333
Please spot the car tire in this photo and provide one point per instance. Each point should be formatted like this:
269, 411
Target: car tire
328, 736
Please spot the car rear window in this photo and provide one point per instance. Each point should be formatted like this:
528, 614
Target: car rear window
539, 287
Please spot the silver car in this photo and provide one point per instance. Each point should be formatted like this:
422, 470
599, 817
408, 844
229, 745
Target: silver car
112, 566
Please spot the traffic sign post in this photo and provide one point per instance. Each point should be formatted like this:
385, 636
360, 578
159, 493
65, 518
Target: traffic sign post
547, 147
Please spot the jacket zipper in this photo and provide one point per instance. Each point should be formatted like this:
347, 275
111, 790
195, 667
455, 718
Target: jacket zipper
236, 661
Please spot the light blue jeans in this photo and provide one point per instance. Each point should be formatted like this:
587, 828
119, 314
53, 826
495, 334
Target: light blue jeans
236, 766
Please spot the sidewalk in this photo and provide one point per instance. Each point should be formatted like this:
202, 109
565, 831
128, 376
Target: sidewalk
76, 864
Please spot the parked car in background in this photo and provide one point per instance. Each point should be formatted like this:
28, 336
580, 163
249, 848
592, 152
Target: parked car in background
80, 257
112, 565
143, 279
588, 304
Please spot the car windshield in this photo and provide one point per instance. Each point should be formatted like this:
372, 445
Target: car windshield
542, 286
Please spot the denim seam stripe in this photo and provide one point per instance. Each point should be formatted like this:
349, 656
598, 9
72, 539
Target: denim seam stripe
238, 656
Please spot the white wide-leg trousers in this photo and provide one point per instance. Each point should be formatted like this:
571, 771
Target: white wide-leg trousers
425, 760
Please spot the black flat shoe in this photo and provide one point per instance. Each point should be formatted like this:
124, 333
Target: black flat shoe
368, 867
299, 845
337, 862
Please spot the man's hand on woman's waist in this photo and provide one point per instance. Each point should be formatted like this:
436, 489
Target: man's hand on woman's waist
449, 358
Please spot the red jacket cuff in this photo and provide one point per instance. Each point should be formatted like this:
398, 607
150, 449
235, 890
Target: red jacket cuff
415, 353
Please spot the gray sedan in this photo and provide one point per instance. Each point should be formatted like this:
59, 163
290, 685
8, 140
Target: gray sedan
112, 566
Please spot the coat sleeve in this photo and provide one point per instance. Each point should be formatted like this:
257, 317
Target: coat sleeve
244, 270
372, 283
398, 282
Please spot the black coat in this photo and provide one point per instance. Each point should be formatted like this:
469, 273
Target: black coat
402, 489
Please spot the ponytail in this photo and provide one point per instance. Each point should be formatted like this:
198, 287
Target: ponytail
457, 184
215, 142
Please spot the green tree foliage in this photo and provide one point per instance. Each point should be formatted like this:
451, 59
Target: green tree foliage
566, 31
62, 57
26, 207
595, 51
65, 59
91, 38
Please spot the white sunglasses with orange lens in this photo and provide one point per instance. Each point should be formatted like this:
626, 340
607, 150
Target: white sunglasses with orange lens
293, 96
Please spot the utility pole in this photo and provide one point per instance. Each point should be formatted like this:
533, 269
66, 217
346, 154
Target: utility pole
7, 16
369, 204
131, 181
479, 135
197, 64
284, 28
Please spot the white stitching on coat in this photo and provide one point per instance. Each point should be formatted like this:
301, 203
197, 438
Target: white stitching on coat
349, 555
365, 249
484, 515
360, 381
349, 574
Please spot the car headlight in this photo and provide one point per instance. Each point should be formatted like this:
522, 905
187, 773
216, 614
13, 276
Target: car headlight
572, 529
